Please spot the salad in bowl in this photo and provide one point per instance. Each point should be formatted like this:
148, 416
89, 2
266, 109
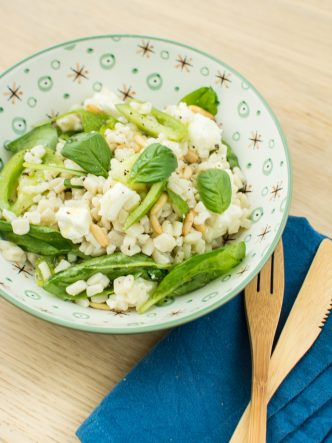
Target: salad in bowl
118, 205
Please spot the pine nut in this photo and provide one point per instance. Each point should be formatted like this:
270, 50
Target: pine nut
155, 224
99, 235
140, 142
93, 108
188, 222
187, 172
191, 156
101, 306
159, 204
200, 228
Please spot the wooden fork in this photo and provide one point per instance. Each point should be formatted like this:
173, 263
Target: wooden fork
263, 301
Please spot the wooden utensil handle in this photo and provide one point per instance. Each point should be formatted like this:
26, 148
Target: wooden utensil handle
258, 413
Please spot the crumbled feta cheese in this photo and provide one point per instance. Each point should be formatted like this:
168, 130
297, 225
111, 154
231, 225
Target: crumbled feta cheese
20, 226
204, 134
38, 151
74, 220
114, 200
71, 122
141, 108
76, 288
105, 101
129, 293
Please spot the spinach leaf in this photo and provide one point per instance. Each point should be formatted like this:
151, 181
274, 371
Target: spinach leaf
155, 123
150, 199
231, 156
155, 164
205, 97
113, 266
90, 151
215, 189
196, 272
9, 179
181, 206
40, 240
45, 135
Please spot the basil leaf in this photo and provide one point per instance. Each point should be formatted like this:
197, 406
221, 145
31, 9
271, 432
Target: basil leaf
180, 205
155, 164
90, 151
196, 272
205, 97
92, 121
231, 156
45, 135
215, 189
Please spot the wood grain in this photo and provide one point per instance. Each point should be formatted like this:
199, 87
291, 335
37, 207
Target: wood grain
51, 378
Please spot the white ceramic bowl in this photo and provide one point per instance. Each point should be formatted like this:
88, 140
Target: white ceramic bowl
160, 71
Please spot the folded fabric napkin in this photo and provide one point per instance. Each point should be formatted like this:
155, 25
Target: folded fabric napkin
195, 384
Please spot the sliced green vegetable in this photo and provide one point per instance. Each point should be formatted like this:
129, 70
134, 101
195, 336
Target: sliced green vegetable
231, 156
205, 97
196, 272
9, 179
41, 167
113, 266
155, 123
180, 206
38, 273
155, 164
109, 124
90, 151
150, 199
215, 189
40, 240
45, 135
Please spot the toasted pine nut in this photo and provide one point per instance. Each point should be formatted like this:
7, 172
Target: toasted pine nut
159, 204
101, 306
200, 228
155, 224
93, 108
188, 222
187, 172
191, 156
199, 110
140, 141
99, 235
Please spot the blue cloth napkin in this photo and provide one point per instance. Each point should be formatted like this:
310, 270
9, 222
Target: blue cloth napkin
195, 384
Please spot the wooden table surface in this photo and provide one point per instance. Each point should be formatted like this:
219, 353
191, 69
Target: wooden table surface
50, 377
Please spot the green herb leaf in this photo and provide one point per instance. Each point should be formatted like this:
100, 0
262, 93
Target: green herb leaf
181, 206
155, 123
45, 135
155, 164
92, 121
215, 189
231, 156
109, 124
150, 199
113, 266
196, 272
40, 240
205, 97
90, 151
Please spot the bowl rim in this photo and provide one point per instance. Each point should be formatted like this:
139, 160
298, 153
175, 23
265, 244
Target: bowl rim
200, 313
